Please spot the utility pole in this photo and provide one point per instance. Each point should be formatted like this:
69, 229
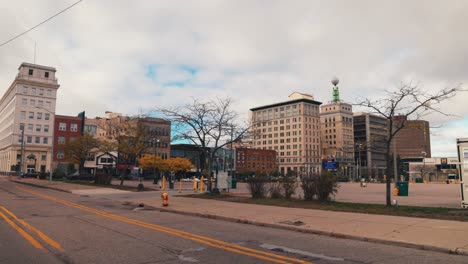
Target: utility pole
22, 152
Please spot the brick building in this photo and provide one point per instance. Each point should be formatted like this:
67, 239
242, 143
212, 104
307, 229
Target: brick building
255, 160
66, 128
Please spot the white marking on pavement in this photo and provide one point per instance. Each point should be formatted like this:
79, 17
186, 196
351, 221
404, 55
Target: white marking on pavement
188, 259
300, 252
198, 249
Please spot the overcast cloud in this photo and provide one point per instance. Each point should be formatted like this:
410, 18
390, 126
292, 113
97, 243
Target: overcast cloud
131, 56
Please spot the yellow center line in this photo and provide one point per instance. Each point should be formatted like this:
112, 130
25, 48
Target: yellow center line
27, 236
186, 235
45, 238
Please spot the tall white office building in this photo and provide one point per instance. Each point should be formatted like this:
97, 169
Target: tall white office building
28, 105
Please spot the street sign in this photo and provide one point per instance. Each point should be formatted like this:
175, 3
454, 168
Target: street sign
330, 165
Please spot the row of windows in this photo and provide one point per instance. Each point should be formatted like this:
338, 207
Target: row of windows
256, 165
38, 115
34, 91
295, 160
37, 140
345, 108
30, 127
63, 127
32, 103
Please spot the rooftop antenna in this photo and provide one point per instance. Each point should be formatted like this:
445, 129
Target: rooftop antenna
336, 92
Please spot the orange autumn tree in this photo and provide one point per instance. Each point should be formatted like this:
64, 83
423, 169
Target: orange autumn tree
176, 165
155, 162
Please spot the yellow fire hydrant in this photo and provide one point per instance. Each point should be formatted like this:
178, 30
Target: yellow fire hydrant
165, 199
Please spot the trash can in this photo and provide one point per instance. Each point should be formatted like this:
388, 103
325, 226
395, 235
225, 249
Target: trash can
233, 184
402, 188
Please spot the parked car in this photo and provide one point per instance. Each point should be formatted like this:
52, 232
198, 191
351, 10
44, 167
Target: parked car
80, 177
29, 175
452, 178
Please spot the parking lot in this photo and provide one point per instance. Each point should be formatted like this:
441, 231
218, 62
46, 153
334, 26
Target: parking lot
420, 194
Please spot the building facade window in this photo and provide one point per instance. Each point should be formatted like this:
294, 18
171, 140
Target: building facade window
38, 128
62, 126
60, 154
46, 74
37, 140
47, 116
32, 103
23, 114
61, 140
49, 92
29, 139
33, 91
74, 127
46, 128
21, 126
24, 102
30, 71
40, 103
45, 140
39, 116
31, 115
30, 127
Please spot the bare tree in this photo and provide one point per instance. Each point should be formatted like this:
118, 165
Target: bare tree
77, 150
130, 138
210, 125
407, 100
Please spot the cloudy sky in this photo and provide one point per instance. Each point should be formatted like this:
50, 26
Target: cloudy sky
131, 56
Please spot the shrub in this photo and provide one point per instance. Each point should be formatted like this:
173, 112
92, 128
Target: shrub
257, 186
309, 188
326, 185
289, 185
319, 187
275, 189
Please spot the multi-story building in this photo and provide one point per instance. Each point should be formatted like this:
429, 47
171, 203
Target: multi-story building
292, 128
250, 160
413, 140
336, 119
27, 112
112, 124
370, 133
66, 128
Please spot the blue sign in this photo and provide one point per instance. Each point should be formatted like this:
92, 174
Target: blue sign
329, 165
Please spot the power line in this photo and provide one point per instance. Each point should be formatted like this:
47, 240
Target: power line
17, 36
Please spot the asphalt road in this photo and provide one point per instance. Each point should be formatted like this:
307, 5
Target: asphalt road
102, 230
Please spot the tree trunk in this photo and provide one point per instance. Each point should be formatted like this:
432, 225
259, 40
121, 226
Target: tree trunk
388, 178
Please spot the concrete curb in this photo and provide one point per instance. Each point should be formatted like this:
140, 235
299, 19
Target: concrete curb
40, 186
457, 251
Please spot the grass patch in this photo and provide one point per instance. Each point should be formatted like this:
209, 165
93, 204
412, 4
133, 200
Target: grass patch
402, 210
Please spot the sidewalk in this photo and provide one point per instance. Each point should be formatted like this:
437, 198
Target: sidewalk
437, 235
